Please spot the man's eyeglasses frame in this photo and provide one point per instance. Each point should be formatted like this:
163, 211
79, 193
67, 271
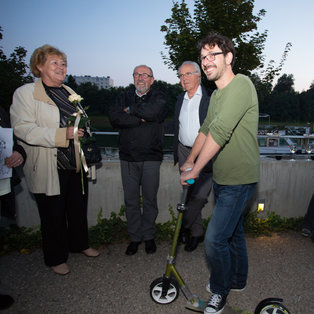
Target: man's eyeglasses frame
210, 56
187, 74
143, 75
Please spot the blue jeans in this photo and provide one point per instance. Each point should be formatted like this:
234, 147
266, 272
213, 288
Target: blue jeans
225, 244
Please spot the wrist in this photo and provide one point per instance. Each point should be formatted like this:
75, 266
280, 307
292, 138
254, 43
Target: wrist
190, 159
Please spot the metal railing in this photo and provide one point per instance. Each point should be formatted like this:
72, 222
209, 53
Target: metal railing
270, 144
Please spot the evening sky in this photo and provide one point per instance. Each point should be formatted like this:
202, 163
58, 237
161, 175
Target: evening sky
109, 38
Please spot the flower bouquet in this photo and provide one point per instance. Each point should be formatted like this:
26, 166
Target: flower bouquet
87, 153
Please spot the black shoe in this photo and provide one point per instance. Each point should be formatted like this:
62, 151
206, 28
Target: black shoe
216, 304
193, 243
132, 248
184, 235
5, 301
150, 246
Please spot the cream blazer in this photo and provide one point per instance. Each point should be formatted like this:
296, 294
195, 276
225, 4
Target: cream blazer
35, 119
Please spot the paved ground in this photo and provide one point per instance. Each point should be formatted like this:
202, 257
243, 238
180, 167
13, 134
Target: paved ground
279, 266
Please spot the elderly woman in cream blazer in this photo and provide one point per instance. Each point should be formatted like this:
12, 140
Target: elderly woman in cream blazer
39, 117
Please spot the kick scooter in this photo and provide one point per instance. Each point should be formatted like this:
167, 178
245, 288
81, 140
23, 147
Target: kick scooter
165, 290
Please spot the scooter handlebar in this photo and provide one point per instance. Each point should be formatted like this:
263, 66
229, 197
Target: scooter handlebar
190, 181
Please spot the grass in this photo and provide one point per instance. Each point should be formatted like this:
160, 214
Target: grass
113, 230
272, 223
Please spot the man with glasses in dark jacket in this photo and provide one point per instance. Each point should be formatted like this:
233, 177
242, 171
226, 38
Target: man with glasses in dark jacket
139, 116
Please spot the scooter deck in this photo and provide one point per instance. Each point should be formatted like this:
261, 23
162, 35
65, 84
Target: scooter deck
201, 306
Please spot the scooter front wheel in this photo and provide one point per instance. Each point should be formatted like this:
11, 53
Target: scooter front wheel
271, 306
156, 288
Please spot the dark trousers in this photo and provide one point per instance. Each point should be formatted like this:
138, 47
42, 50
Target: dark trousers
308, 221
197, 196
136, 176
63, 218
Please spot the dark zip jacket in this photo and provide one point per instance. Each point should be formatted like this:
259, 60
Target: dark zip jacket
141, 128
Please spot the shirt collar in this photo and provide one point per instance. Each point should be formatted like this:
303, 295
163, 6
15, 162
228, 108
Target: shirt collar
140, 95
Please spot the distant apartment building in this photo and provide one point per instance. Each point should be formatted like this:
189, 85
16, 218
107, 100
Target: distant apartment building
100, 81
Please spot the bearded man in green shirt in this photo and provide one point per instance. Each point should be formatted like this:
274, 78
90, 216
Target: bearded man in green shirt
228, 136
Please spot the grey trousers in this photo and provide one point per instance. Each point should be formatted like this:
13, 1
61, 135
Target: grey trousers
197, 196
140, 178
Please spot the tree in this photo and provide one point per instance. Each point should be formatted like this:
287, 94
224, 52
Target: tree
171, 91
307, 104
284, 104
271, 71
232, 18
90, 94
13, 74
263, 89
71, 82
284, 84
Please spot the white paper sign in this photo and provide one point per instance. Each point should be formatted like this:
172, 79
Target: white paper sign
6, 145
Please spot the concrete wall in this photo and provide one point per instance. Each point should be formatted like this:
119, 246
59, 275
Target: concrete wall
286, 186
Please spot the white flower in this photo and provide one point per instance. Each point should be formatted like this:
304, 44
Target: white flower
75, 98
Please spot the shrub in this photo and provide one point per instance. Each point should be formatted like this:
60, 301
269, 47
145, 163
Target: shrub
113, 230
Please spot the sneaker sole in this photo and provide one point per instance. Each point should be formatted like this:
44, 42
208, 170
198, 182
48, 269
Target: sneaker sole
232, 289
220, 311
305, 234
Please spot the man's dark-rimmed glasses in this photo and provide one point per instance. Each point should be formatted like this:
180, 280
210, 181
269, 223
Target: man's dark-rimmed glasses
143, 75
210, 56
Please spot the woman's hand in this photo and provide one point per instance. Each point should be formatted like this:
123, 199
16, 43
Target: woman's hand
14, 160
70, 133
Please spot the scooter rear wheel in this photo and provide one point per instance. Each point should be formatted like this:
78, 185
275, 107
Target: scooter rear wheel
271, 306
156, 291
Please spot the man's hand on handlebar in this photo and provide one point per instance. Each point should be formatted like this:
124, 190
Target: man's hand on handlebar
187, 175
187, 165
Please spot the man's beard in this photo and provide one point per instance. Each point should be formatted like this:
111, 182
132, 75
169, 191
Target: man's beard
210, 76
141, 88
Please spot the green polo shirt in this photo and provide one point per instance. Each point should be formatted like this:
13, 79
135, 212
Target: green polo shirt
232, 121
